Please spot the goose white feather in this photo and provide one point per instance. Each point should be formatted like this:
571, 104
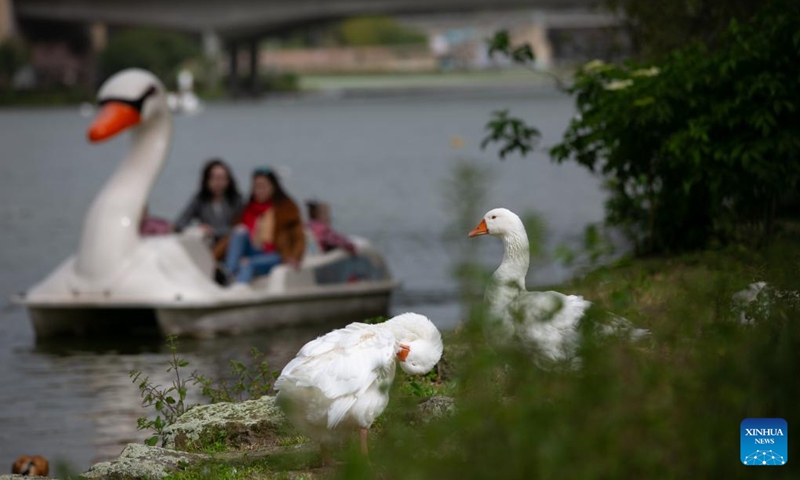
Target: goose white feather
341, 380
547, 320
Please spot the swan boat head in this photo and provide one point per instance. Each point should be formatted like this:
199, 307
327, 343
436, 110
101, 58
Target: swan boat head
128, 99
132, 100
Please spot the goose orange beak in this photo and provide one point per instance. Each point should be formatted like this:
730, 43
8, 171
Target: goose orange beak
403, 353
479, 230
113, 118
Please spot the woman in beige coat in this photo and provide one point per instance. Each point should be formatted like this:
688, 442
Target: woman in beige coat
270, 231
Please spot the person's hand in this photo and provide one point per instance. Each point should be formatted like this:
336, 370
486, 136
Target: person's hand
207, 230
294, 263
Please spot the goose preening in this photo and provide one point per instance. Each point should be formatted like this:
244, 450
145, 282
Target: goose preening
548, 320
31, 466
341, 381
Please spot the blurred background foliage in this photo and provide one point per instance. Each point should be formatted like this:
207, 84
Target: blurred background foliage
13, 56
163, 53
659, 26
668, 407
377, 30
699, 149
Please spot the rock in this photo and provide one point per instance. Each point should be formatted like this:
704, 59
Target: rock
238, 433
142, 462
256, 423
435, 408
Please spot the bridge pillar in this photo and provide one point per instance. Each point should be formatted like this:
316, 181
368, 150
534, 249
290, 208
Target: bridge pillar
7, 21
540, 42
233, 68
98, 35
212, 53
253, 80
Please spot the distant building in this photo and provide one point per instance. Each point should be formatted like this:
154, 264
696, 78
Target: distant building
458, 40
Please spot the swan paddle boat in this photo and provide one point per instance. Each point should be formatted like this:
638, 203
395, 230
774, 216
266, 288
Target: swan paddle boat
119, 281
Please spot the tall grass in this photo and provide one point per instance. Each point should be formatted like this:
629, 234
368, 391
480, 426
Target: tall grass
670, 408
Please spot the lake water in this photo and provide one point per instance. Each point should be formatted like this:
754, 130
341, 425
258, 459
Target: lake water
379, 160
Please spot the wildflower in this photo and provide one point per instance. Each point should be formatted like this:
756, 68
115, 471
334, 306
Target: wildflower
594, 66
646, 72
618, 84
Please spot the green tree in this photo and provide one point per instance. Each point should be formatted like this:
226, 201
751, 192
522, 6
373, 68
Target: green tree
701, 148
163, 53
659, 26
13, 56
363, 31
698, 149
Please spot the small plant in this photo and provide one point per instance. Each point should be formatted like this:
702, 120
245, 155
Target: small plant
248, 382
425, 386
513, 134
597, 249
169, 402
376, 320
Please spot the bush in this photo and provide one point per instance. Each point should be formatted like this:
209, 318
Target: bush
696, 151
162, 53
13, 56
701, 148
668, 408
657, 27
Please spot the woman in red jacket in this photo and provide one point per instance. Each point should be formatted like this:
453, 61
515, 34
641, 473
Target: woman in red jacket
270, 231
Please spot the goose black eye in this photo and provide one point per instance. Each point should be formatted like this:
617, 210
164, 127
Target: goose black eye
494, 216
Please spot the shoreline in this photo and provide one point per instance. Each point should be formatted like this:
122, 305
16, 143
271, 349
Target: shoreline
337, 86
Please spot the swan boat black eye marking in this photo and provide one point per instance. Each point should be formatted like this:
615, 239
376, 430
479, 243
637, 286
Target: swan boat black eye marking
137, 104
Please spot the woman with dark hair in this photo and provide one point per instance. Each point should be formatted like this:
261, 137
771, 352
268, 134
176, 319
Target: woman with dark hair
270, 231
216, 203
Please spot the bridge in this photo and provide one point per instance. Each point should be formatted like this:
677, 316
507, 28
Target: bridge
241, 19
233, 24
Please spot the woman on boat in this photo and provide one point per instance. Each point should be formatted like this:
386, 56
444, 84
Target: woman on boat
216, 203
270, 231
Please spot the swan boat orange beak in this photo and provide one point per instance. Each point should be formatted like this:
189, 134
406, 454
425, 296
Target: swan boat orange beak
113, 118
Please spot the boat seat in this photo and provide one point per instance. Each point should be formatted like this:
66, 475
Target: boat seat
198, 251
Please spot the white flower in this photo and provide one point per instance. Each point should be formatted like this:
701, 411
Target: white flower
646, 72
594, 66
618, 84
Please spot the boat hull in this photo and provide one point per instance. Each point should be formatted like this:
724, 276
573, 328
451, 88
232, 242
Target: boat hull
65, 321
210, 322
230, 318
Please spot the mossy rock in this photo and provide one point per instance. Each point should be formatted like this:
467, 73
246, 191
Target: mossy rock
224, 426
140, 462
435, 408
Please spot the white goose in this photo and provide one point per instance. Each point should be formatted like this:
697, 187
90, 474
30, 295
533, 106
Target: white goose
341, 381
548, 320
